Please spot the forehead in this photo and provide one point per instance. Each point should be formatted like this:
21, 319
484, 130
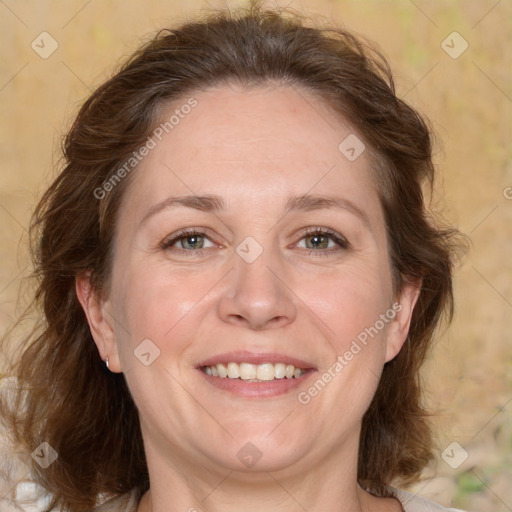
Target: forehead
252, 143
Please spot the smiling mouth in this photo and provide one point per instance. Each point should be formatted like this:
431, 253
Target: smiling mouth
265, 372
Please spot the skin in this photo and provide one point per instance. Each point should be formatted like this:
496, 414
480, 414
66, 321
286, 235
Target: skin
254, 149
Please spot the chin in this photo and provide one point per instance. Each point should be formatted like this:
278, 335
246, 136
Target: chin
261, 449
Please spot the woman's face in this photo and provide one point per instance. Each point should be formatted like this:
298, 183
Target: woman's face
250, 236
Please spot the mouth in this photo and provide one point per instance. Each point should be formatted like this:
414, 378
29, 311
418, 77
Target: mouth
248, 372
255, 374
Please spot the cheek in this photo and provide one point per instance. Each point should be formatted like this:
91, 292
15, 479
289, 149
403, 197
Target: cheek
349, 300
351, 304
350, 307
158, 305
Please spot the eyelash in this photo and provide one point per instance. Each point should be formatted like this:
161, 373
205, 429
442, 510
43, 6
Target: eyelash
184, 233
340, 240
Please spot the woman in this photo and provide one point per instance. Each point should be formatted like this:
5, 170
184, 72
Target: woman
239, 280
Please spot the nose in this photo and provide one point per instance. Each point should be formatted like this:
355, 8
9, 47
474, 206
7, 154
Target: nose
257, 297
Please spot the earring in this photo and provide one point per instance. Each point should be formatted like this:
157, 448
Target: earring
106, 361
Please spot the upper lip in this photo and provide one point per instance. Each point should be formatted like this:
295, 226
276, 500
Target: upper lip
255, 358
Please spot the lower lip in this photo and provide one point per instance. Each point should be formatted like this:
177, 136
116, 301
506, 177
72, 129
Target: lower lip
257, 389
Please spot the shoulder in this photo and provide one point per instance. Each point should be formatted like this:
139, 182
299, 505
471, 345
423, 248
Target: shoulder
18, 487
128, 502
414, 503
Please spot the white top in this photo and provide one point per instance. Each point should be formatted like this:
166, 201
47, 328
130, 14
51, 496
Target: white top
19, 491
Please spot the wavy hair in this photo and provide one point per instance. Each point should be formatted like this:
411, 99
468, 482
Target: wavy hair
66, 396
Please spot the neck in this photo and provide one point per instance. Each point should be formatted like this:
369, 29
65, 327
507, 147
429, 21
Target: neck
180, 485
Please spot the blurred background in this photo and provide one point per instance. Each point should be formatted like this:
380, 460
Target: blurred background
452, 60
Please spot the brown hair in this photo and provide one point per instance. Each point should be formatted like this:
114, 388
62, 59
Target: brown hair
85, 412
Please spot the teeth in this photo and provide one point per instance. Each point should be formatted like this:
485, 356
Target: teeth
254, 372
223, 371
247, 371
265, 371
279, 370
233, 370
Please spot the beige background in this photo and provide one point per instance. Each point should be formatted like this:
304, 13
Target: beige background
469, 101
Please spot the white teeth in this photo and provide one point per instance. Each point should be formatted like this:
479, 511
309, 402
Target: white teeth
223, 371
252, 372
247, 371
265, 371
233, 371
279, 370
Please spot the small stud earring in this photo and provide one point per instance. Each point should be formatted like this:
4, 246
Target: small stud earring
106, 362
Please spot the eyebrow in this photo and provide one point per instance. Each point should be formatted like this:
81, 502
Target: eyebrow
304, 202
309, 202
207, 203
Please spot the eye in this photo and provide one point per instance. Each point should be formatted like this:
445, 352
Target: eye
188, 241
325, 240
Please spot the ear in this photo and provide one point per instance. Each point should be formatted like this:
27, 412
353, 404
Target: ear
399, 326
100, 321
